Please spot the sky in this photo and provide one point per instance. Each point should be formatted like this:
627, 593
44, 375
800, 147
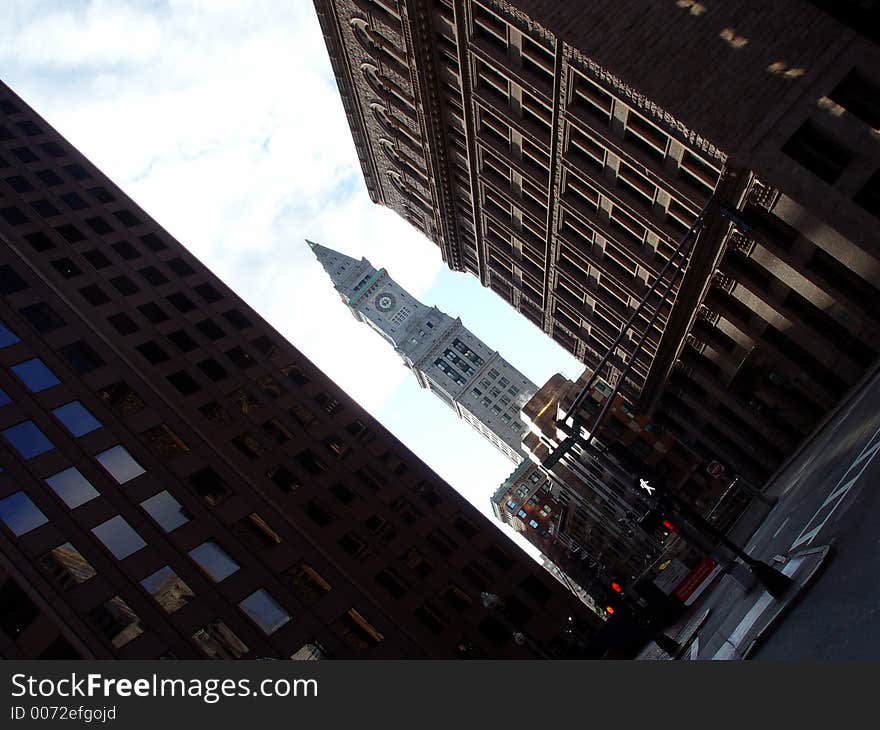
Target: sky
222, 119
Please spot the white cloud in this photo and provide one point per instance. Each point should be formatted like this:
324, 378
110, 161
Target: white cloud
222, 120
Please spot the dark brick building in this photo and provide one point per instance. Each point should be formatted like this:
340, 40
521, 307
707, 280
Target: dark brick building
177, 480
559, 151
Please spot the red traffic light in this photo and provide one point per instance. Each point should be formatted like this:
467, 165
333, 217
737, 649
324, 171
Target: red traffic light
609, 610
669, 526
615, 586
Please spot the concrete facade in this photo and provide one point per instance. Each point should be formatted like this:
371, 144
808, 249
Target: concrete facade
446, 358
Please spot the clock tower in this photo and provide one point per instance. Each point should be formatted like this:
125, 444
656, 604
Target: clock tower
475, 381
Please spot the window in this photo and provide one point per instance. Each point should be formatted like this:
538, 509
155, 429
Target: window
27, 439
124, 285
859, 96
310, 462
4, 398
351, 544
184, 382
72, 487
126, 250
264, 611
42, 317
7, 337
152, 353
123, 324
236, 319
70, 233
392, 582
18, 610
310, 651
97, 259
265, 346
120, 464
417, 562
305, 582
168, 513
499, 557
99, 225
122, 399
464, 526
356, 631
168, 589
270, 386
67, 566
34, 374
118, 537
813, 148
153, 242
431, 618
212, 369
180, 267
536, 589
153, 276
209, 486
296, 374
116, 621
81, 357
442, 543
181, 302
240, 358
20, 514
153, 312
212, 559
182, 341
457, 598
127, 218
10, 282
283, 478
164, 441
66, 268
248, 445
217, 641
208, 293
213, 411
277, 431
320, 516
343, 493
76, 418
255, 532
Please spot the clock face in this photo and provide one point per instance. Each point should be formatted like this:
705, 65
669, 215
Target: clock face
385, 302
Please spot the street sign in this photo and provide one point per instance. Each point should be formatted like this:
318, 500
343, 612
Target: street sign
715, 469
670, 575
699, 573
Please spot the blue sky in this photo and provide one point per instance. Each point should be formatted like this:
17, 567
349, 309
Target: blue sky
222, 119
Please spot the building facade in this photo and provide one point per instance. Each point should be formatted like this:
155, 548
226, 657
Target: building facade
446, 358
177, 480
583, 511
559, 152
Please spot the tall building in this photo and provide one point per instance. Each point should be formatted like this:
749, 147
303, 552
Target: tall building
177, 480
446, 358
583, 511
559, 151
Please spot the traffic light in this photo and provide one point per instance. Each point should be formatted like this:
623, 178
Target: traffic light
615, 586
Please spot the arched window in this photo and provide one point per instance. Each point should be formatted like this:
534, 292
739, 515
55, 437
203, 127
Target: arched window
395, 127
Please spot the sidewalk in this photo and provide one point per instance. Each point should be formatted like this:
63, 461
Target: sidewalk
737, 612
733, 615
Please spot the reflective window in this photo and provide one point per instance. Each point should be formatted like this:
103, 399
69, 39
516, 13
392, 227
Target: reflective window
35, 375
118, 537
265, 611
29, 441
168, 589
4, 399
311, 651
76, 418
218, 641
211, 558
117, 621
21, 515
72, 487
67, 566
7, 336
166, 510
120, 464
